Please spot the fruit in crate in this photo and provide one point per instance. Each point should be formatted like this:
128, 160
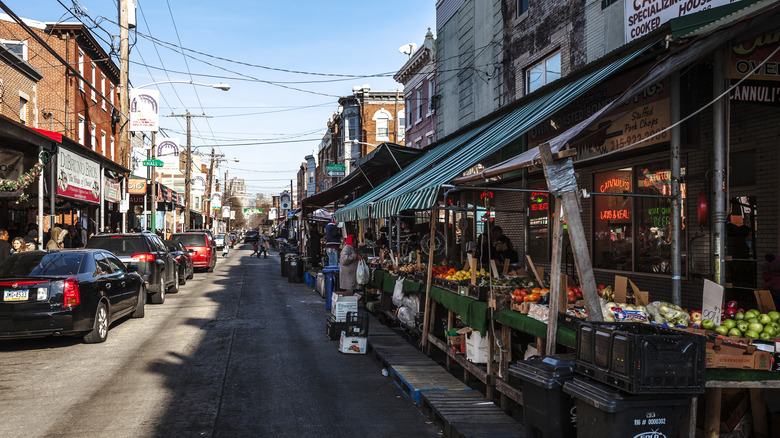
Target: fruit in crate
607, 293
662, 312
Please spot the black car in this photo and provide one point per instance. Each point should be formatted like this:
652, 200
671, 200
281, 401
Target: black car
183, 259
251, 236
76, 292
146, 251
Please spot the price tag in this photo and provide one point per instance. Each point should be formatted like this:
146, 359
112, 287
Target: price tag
712, 300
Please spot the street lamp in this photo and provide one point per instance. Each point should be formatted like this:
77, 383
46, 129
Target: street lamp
188, 170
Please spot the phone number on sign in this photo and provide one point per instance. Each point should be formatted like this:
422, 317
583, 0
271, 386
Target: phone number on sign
630, 139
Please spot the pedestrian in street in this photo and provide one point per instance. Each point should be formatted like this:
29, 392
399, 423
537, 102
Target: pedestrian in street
348, 265
54, 239
254, 249
264, 245
225, 249
5, 247
332, 242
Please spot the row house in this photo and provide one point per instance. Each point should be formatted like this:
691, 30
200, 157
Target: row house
63, 103
418, 76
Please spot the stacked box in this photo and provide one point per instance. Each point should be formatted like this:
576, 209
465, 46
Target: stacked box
342, 304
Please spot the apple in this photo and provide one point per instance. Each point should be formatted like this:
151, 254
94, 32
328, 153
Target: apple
730, 323
752, 313
707, 324
721, 329
743, 326
732, 304
775, 315
764, 319
765, 336
735, 332
752, 320
752, 334
739, 316
770, 330
756, 327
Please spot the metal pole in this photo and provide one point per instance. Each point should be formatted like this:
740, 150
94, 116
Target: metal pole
52, 193
153, 218
102, 208
188, 175
676, 225
124, 98
41, 211
719, 163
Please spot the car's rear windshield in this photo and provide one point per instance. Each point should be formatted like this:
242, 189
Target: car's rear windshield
41, 264
119, 245
195, 239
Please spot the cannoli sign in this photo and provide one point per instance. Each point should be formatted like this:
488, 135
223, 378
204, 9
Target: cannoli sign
77, 177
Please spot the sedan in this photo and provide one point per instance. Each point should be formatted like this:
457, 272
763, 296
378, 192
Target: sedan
183, 259
78, 292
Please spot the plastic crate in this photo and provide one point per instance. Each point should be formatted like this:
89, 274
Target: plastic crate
479, 293
334, 328
356, 324
641, 358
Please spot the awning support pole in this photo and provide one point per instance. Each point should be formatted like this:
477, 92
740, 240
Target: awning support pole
676, 199
41, 212
719, 163
431, 241
555, 278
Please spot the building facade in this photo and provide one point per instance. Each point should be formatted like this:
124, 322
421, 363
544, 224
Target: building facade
418, 76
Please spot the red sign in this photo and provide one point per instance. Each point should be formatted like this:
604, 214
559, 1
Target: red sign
613, 215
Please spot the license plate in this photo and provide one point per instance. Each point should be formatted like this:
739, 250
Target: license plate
16, 295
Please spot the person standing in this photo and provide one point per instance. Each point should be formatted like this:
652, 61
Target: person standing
332, 243
264, 244
54, 239
314, 245
5, 247
18, 245
348, 265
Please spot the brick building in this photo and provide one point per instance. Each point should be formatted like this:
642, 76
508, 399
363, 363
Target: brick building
418, 76
19, 85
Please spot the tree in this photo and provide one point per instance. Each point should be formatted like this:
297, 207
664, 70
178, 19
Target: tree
260, 219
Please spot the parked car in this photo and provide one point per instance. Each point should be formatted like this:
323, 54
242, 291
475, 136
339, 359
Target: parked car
251, 236
183, 260
200, 246
77, 292
219, 241
146, 251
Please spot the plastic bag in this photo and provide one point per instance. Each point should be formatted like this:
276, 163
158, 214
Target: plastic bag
363, 274
398, 292
407, 316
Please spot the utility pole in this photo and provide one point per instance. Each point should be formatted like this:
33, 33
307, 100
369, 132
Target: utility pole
215, 159
225, 197
188, 170
124, 97
153, 218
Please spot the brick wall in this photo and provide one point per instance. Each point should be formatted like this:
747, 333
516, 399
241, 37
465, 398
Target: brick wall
14, 86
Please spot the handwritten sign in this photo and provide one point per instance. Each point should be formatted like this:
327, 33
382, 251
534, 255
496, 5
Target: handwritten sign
712, 300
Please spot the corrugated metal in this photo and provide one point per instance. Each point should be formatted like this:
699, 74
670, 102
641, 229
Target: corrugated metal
446, 10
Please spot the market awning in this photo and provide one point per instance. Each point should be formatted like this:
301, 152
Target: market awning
422, 191
370, 171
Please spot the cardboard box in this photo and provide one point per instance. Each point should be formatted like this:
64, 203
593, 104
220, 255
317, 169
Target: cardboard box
343, 303
759, 360
353, 344
455, 340
621, 291
476, 346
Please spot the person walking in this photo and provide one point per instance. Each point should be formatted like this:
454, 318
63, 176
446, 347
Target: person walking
254, 248
332, 243
5, 247
264, 244
348, 265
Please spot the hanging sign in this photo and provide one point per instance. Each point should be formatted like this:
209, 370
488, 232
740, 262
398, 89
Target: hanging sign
77, 177
111, 190
226, 212
216, 200
11, 169
198, 184
144, 110
168, 152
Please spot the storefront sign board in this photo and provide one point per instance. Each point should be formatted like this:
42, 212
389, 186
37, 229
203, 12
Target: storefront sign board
11, 167
77, 177
144, 110
644, 16
747, 56
111, 190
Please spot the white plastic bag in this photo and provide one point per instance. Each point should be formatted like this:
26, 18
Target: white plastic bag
363, 274
398, 292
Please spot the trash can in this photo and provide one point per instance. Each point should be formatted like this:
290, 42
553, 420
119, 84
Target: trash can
294, 269
331, 274
283, 257
552, 413
604, 412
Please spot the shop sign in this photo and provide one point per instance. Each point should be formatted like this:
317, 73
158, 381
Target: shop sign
144, 110
77, 177
756, 93
136, 186
539, 201
644, 16
11, 167
198, 184
273, 213
216, 200
111, 190
226, 212
136, 199
168, 152
745, 58
253, 210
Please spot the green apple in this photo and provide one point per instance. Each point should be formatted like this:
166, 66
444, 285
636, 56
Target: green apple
752, 313
756, 327
775, 315
765, 336
743, 326
752, 320
735, 332
770, 330
752, 334
730, 323
739, 316
722, 330
707, 324
764, 319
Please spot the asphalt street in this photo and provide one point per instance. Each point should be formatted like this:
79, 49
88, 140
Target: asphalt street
237, 352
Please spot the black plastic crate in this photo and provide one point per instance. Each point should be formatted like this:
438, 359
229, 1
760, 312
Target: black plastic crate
479, 293
641, 358
334, 328
356, 324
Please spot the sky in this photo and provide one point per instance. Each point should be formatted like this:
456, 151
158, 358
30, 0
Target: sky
287, 62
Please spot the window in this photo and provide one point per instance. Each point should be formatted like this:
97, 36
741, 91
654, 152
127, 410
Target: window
538, 224
103, 143
311, 176
18, 48
382, 129
94, 84
111, 149
431, 97
613, 220
548, 70
401, 126
103, 90
22, 110
81, 70
93, 136
81, 129
409, 107
521, 6
350, 128
419, 106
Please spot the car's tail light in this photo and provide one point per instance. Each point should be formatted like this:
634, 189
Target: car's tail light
143, 257
71, 293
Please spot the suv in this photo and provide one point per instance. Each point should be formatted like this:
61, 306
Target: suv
146, 251
251, 236
201, 246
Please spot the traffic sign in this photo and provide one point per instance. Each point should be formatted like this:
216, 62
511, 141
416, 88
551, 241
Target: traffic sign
153, 163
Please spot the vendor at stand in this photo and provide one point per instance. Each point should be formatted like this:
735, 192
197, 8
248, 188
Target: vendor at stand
332, 242
504, 251
382, 241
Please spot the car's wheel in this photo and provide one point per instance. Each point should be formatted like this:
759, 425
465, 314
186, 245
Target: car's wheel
192, 273
175, 286
159, 296
99, 332
183, 277
211, 266
140, 309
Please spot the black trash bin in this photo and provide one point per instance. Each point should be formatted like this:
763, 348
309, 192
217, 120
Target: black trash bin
283, 258
294, 269
551, 412
605, 412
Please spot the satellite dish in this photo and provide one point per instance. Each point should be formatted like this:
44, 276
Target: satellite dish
408, 49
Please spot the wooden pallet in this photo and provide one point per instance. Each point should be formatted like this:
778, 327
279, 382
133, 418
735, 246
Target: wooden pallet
415, 379
392, 350
463, 414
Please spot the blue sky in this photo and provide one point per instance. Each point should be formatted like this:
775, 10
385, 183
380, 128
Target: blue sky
349, 37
